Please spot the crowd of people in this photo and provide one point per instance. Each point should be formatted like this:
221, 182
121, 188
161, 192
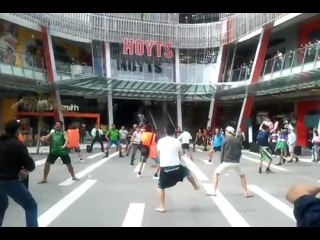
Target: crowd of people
166, 148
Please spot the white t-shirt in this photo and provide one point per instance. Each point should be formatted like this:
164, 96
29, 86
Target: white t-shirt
136, 137
123, 134
185, 137
169, 149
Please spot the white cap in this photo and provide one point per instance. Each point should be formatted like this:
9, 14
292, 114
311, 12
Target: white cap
230, 130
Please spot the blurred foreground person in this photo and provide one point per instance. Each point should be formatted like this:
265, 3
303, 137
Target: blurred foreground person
171, 169
15, 163
306, 208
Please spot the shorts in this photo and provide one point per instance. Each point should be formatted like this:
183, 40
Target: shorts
144, 159
265, 154
170, 176
115, 142
217, 149
291, 148
225, 166
123, 141
185, 146
52, 157
76, 149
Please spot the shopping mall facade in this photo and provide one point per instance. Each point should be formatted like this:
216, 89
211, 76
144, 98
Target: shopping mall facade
184, 72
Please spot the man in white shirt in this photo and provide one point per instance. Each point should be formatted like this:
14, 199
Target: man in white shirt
123, 137
185, 138
172, 172
96, 134
135, 143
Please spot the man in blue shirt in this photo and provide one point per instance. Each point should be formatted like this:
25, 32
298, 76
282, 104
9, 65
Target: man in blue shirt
306, 205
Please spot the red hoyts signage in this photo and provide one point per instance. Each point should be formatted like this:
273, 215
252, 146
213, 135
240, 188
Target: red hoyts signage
138, 47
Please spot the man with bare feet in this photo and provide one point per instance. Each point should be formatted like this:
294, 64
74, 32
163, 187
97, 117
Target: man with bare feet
171, 172
230, 160
58, 149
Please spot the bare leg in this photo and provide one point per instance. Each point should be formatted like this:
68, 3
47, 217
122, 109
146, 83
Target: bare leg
190, 154
71, 171
243, 180
161, 199
211, 152
157, 169
192, 180
46, 171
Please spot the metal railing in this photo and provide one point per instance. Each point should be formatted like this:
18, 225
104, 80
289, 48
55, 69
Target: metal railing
278, 64
291, 60
31, 66
153, 121
114, 27
171, 121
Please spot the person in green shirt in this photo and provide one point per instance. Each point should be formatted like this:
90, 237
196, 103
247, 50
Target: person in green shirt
58, 149
113, 137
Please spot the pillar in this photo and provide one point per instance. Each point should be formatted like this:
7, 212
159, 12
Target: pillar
51, 68
107, 61
164, 113
177, 81
255, 74
213, 110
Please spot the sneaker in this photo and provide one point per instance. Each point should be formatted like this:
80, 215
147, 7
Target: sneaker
138, 175
155, 176
81, 160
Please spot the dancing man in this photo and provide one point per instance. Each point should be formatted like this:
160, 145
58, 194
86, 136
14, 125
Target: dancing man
58, 149
172, 171
230, 160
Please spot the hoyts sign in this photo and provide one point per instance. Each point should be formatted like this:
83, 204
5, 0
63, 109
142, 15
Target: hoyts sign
139, 47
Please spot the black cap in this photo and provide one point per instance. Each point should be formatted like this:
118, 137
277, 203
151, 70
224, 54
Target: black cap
12, 127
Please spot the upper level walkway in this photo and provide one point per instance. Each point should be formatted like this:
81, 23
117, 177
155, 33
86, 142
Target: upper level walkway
116, 27
293, 70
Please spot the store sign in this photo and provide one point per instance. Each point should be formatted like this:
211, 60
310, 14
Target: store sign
140, 47
71, 108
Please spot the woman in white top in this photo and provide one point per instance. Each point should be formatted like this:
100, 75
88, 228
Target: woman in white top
315, 146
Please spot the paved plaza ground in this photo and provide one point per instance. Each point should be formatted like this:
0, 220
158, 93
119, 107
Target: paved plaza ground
110, 195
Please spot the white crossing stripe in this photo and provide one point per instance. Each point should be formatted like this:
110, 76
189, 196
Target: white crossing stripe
196, 171
258, 161
87, 170
55, 211
276, 203
134, 215
228, 211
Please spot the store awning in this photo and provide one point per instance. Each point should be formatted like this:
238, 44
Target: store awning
127, 89
303, 80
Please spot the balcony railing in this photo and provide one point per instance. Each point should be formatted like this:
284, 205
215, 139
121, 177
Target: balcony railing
32, 67
280, 65
112, 28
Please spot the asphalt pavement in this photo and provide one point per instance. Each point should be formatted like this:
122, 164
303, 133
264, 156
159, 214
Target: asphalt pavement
109, 194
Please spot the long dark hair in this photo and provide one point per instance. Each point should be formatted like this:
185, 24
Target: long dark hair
316, 133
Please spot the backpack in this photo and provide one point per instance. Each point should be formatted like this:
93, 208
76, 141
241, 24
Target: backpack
145, 149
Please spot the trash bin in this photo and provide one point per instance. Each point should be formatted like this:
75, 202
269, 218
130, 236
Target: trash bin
88, 148
297, 150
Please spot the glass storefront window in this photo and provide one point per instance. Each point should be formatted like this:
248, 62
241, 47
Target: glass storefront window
198, 66
144, 68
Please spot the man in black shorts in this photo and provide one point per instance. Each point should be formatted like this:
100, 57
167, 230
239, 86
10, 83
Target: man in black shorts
58, 149
185, 138
172, 171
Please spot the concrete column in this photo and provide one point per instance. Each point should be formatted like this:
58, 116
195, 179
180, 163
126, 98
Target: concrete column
177, 81
51, 68
107, 61
255, 73
221, 61
165, 119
